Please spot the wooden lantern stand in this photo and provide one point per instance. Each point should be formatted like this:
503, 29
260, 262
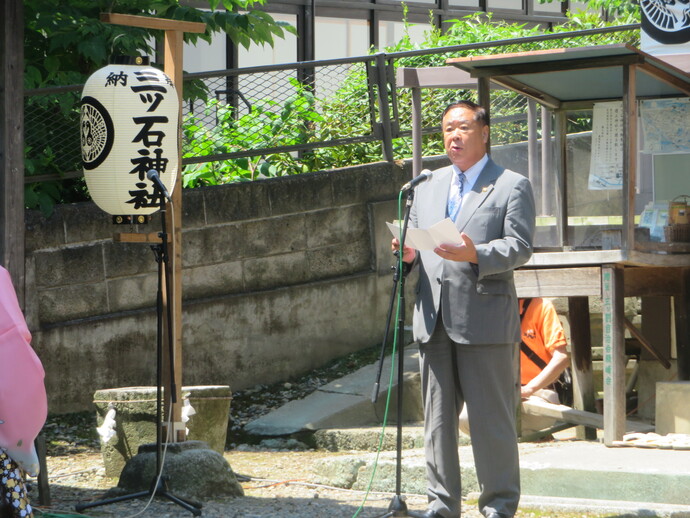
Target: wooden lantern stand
170, 272
172, 66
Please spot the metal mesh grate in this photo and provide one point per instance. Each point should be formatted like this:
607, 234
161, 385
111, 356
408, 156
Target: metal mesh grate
286, 119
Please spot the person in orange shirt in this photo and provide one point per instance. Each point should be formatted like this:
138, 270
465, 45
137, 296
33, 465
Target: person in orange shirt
543, 358
544, 355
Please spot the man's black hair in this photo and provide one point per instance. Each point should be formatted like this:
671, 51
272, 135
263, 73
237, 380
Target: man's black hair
479, 111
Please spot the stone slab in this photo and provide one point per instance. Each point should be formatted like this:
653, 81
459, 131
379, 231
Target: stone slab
672, 409
561, 469
346, 402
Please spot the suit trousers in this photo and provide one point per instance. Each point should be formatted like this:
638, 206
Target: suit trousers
484, 377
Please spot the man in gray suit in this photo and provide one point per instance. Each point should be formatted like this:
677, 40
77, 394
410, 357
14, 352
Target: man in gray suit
466, 316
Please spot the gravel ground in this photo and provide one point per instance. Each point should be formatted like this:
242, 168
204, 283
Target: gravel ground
277, 483
279, 486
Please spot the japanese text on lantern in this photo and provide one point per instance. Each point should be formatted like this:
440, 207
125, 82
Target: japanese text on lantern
151, 87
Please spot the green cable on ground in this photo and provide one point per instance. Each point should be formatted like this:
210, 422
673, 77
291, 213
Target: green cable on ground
390, 378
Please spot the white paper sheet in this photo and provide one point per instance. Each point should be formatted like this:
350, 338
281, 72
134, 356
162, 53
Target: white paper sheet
442, 232
606, 165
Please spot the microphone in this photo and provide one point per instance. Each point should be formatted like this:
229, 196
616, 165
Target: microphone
421, 177
152, 175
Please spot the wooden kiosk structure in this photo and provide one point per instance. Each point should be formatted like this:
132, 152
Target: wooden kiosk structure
625, 264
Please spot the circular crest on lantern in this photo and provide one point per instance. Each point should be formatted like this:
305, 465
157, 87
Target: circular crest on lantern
129, 126
666, 22
97, 132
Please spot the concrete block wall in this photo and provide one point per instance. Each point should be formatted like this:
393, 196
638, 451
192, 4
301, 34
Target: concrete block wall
279, 277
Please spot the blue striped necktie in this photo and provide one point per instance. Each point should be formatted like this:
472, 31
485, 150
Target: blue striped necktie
455, 198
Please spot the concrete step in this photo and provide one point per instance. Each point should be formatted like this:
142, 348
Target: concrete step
548, 506
347, 402
561, 469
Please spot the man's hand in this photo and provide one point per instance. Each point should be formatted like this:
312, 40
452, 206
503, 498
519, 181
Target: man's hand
409, 253
526, 391
464, 252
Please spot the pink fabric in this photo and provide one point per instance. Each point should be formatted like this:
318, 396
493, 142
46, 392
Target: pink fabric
23, 402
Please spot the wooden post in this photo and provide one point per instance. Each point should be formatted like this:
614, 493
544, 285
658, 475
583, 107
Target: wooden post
561, 163
12, 142
484, 98
532, 148
614, 353
416, 131
546, 163
581, 360
173, 47
629, 156
173, 55
681, 307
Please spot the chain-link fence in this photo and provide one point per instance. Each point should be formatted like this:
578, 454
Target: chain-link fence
299, 117
51, 132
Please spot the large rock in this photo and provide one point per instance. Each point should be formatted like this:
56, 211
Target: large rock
191, 470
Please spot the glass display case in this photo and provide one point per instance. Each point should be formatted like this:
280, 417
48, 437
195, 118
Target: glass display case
613, 201
607, 192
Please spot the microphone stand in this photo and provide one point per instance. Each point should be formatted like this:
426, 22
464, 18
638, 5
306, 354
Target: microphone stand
397, 507
159, 485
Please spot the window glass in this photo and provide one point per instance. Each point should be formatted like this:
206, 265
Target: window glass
391, 32
204, 56
548, 7
579, 6
515, 5
463, 3
283, 51
340, 37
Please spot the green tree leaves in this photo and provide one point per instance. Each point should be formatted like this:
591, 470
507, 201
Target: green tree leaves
65, 41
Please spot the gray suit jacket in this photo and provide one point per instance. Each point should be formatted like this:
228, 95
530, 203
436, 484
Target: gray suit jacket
479, 303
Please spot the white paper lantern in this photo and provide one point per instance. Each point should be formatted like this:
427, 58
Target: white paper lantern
129, 125
665, 27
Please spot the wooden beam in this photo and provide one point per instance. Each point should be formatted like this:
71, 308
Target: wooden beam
652, 282
643, 341
579, 417
12, 143
586, 281
150, 22
528, 91
558, 282
434, 77
134, 237
539, 67
681, 84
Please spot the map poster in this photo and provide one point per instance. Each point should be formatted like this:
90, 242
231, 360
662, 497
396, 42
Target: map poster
666, 125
